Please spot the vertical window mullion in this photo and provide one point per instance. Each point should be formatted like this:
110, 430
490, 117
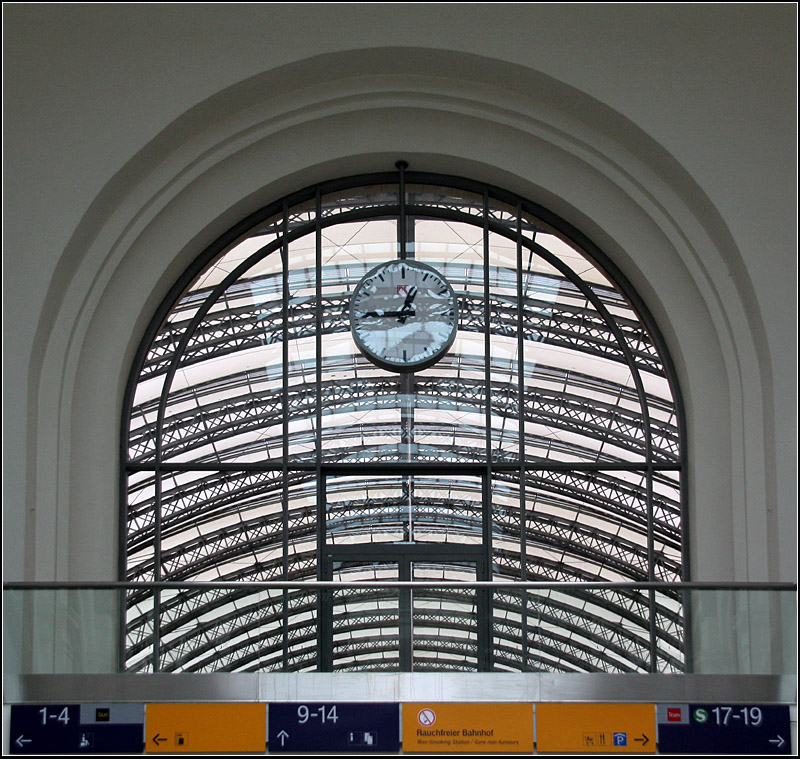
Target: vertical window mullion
322, 616
157, 517
485, 608
523, 526
285, 430
318, 333
651, 558
402, 242
157, 562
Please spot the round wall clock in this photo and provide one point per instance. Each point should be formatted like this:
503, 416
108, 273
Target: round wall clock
404, 315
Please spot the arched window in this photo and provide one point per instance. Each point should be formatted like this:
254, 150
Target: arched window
260, 444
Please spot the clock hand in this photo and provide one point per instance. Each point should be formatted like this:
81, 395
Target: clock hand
405, 310
402, 313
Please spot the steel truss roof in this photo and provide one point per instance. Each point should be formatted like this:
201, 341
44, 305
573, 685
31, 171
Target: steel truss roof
241, 410
241, 427
250, 629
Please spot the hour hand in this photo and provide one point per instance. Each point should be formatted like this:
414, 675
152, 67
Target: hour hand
405, 310
403, 313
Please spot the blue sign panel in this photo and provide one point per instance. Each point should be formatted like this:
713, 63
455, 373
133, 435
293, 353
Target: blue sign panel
723, 729
334, 727
74, 729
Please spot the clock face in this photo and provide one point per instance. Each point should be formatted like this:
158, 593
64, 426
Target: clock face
404, 315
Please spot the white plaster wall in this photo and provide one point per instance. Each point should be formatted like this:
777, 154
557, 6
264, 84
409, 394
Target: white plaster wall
135, 134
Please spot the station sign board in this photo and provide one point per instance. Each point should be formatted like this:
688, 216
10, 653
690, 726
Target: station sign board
206, 728
467, 728
596, 728
723, 729
76, 728
330, 727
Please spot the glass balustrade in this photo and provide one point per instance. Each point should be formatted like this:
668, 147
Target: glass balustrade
427, 623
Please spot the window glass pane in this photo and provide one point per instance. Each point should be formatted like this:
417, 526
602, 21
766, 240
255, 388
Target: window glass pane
366, 623
225, 400
587, 631
445, 621
403, 509
559, 401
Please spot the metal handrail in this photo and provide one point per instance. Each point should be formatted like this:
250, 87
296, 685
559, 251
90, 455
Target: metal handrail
336, 584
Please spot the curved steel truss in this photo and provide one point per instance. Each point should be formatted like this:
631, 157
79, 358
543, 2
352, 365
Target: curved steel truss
260, 445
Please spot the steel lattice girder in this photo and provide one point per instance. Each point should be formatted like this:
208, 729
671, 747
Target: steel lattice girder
255, 325
616, 603
245, 407
214, 422
254, 536
262, 535
589, 634
213, 496
545, 570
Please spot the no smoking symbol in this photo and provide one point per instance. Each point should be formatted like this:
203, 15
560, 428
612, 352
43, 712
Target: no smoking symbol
426, 717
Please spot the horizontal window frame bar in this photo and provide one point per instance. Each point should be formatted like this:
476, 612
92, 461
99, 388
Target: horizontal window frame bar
403, 467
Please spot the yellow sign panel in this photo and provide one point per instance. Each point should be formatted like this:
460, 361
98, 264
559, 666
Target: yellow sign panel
603, 728
197, 728
494, 728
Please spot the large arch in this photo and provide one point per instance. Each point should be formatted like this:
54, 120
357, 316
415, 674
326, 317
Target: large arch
562, 149
546, 123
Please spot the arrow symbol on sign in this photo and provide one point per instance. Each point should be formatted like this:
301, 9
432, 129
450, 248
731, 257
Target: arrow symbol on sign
283, 735
644, 740
779, 741
22, 740
158, 739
